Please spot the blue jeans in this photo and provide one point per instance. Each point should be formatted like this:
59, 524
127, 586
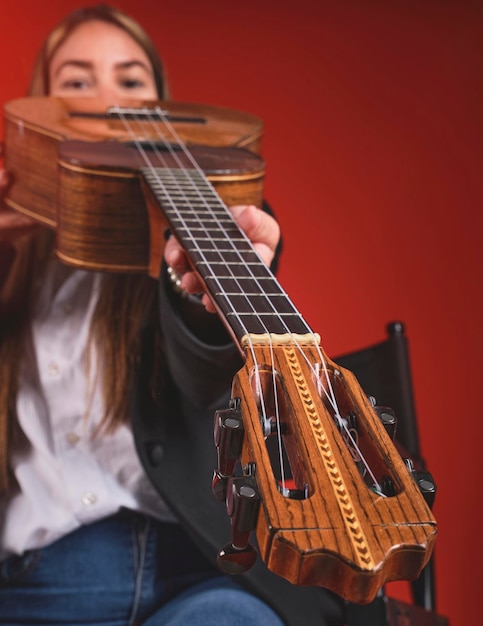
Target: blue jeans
126, 570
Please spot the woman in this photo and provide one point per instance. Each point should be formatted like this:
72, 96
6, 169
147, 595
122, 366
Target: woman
86, 360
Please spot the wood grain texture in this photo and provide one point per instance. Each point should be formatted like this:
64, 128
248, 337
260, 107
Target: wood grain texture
343, 536
81, 175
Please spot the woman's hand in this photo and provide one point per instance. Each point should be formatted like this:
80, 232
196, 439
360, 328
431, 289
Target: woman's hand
260, 227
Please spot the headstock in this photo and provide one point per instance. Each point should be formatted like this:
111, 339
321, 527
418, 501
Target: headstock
339, 507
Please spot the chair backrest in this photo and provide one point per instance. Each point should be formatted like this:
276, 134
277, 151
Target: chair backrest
383, 371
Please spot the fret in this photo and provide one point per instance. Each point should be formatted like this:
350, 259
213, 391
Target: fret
219, 242
210, 204
259, 325
266, 314
175, 173
253, 300
258, 303
229, 284
206, 237
231, 270
237, 261
217, 212
202, 217
204, 223
183, 200
225, 254
197, 214
247, 294
177, 190
188, 184
231, 275
215, 237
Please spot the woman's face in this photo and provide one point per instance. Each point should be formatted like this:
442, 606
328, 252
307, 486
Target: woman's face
99, 60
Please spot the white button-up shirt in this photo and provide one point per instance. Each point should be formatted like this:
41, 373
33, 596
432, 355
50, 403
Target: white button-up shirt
66, 474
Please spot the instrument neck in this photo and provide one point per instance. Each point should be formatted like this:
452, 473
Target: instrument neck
243, 288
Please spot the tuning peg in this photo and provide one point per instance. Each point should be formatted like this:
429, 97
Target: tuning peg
234, 561
424, 481
242, 503
388, 419
228, 434
426, 485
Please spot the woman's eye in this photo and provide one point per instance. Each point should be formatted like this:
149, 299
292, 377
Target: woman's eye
75, 83
131, 83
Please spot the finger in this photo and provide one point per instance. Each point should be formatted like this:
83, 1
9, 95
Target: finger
260, 227
12, 219
175, 256
191, 283
208, 304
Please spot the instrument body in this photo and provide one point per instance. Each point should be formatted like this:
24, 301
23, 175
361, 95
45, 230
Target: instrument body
81, 175
332, 523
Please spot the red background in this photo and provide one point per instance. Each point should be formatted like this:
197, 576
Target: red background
373, 147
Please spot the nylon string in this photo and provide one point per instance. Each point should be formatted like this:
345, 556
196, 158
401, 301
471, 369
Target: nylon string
154, 116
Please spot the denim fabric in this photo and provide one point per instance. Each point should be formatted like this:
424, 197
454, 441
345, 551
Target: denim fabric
126, 570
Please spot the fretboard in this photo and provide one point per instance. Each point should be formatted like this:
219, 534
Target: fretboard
243, 287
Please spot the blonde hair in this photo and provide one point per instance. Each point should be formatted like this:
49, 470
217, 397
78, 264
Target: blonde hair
127, 304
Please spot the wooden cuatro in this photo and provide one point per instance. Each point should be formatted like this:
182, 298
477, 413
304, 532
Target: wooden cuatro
303, 457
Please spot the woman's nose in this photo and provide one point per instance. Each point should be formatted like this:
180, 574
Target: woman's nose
108, 95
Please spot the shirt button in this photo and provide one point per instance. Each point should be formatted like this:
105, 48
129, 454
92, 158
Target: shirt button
53, 368
89, 498
72, 438
68, 308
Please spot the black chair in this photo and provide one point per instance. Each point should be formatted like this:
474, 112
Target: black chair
383, 371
